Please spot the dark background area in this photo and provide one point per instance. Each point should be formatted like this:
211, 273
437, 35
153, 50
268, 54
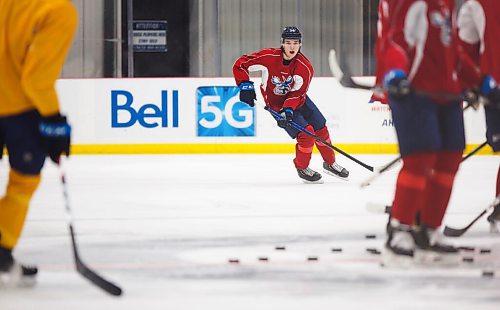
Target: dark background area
173, 62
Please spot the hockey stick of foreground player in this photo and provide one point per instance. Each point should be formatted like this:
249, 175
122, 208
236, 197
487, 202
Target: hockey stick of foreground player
457, 232
378, 208
388, 166
343, 74
379, 171
81, 268
307, 132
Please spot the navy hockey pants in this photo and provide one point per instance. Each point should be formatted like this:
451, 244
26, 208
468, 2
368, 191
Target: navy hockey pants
493, 128
423, 125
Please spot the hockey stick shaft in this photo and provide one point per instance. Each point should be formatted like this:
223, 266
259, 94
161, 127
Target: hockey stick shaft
342, 72
474, 151
457, 232
307, 132
81, 267
380, 171
387, 208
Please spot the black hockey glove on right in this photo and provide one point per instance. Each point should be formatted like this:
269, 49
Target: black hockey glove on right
397, 84
56, 136
247, 93
287, 117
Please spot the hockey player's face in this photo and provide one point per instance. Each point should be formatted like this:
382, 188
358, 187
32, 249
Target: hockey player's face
291, 48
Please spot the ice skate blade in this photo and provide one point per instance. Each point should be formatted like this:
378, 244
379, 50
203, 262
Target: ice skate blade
432, 259
396, 261
320, 181
334, 175
15, 279
494, 228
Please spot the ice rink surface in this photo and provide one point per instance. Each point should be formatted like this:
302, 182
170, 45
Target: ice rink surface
164, 227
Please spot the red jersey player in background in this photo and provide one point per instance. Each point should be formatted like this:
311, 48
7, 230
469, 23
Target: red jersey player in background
286, 75
479, 30
422, 53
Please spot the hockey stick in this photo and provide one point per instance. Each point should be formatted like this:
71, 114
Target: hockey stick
457, 232
307, 132
379, 208
474, 151
379, 171
81, 267
343, 74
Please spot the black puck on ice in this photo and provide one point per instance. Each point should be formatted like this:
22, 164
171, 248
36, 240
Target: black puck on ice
373, 251
263, 259
468, 259
370, 236
234, 261
466, 248
336, 250
312, 258
485, 251
280, 248
488, 273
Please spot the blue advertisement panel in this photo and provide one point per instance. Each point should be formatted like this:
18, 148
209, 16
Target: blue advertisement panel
220, 113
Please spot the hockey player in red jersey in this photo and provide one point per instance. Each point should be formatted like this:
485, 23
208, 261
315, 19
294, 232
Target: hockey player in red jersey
422, 54
286, 75
479, 28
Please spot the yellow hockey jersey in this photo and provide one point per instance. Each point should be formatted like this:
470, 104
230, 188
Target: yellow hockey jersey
35, 36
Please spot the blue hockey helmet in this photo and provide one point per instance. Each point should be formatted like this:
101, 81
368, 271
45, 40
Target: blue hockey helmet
291, 33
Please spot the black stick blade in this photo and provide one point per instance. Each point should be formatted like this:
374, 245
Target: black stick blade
453, 232
97, 280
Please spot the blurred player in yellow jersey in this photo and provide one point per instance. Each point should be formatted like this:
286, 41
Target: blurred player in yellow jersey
35, 36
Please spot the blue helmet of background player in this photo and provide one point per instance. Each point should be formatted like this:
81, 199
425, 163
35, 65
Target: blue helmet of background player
291, 33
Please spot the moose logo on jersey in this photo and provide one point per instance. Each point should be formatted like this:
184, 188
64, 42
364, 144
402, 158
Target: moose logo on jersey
282, 87
442, 20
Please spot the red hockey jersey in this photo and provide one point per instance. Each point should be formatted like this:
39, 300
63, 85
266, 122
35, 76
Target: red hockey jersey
423, 42
479, 32
283, 86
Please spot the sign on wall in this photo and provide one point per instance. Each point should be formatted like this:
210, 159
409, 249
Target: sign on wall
207, 111
149, 35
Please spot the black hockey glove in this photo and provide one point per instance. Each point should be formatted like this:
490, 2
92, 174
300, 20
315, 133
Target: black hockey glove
247, 93
490, 90
287, 117
2, 144
397, 84
56, 134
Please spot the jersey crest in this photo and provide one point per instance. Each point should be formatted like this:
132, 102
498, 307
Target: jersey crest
282, 87
442, 20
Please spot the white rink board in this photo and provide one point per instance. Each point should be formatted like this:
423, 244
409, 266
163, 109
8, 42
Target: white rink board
350, 118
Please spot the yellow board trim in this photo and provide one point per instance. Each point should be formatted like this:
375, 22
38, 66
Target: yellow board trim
233, 148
